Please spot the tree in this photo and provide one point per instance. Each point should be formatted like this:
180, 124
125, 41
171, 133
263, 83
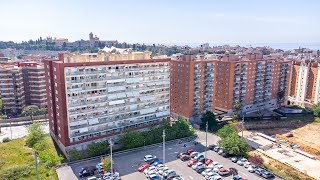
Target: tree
106, 161
233, 144
131, 139
226, 130
1, 105
210, 118
36, 134
98, 148
75, 154
30, 111
280, 95
256, 159
237, 108
316, 109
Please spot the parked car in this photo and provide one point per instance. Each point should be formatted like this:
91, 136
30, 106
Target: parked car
237, 177
163, 170
205, 172
208, 161
259, 171
213, 164
169, 174
189, 151
210, 174
87, 171
202, 159
111, 176
289, 135
223, 172
225, 155
251, 168
198, 156
185, 158
156, 162
220, 151
149, 169
216, 177
192, 162
160, 166
193, 154
216, 149
242, 161
234, 159
143, 167
180, 154
177, 177
151, 173
200, 169
247, 164
148, 158
154, 177
196, 165
99, 166
211, 147
267, 174
151, 161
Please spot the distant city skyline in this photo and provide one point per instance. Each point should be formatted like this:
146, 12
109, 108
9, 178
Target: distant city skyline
167, 22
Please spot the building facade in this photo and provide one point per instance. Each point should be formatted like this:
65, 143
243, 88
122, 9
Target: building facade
215, 83
93, 101
12, 89
305, 82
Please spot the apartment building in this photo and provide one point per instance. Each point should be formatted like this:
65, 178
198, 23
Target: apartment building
34, 83
304, 85
12, 89
96, 100
215, 83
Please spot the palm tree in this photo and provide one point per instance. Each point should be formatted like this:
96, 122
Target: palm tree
30, 111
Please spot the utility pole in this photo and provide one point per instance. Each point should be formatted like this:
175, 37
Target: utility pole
164, 148
111, 154
206, 139
36, 157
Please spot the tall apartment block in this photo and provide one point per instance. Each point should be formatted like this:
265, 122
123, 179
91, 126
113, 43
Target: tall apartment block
215, 83
97, 100
34, 83
22, 84
305, 83
12, 89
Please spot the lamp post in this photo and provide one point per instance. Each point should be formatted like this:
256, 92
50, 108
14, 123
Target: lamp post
36, 157
206, 139
164, 148
110, 142
242, 122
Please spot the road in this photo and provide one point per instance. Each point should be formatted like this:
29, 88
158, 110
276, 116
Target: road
19, 131
127, 163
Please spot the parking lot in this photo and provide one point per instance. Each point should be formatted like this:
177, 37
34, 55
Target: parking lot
127, 163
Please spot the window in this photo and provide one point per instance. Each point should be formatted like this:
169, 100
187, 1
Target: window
54, 69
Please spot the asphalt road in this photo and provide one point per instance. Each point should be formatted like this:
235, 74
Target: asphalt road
127, 163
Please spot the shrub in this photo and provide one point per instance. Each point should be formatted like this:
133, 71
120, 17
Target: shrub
6, 139
16, 172
98, 148
256, 159
35, 135
75, 154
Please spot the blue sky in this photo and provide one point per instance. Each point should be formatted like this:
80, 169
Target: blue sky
165, 21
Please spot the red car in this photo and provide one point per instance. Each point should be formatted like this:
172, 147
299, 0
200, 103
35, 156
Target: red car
189, 151
192, 162
143, 167
208, 161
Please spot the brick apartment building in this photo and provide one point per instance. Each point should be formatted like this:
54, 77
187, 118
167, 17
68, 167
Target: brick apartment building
95, 100
305, 83
22, 84
215, 83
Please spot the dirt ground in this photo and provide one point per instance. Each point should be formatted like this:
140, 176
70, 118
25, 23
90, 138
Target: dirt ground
308, 134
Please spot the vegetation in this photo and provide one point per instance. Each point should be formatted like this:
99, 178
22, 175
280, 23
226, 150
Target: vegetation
35, 135
211, 119
133, 139
30, 110
237, 108
1, 105
75, 154
280, 95
316, 109
98, 148
256, 159
106, 161
231, 142
21, 163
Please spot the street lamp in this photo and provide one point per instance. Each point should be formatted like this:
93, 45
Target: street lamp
36, 157
206, 139
242, 122
110, 142
164, 148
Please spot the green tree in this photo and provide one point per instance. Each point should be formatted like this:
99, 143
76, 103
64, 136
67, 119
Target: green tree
210, 118
44, 111
226, 130
131, 139
280, 97
1, 105
237, 108
30, 110
36, 134
316, 109
75, 154
98, 148
50, 158
234, 145
106, 161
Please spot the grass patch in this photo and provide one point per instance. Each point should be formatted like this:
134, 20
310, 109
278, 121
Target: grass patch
17, 161
317, 120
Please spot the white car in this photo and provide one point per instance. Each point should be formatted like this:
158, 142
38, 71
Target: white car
160, 166
242, 161
211, 174
193, 154
154, 176
149, 157
151, 168
205, 172
149, 173
163, 170
247, 164
196, 165
216, 177
214, 163
251, 169
220, 151
169, 174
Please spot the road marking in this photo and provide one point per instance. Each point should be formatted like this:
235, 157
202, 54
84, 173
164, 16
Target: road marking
176, 152
169, 148
244, 174
190, 177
